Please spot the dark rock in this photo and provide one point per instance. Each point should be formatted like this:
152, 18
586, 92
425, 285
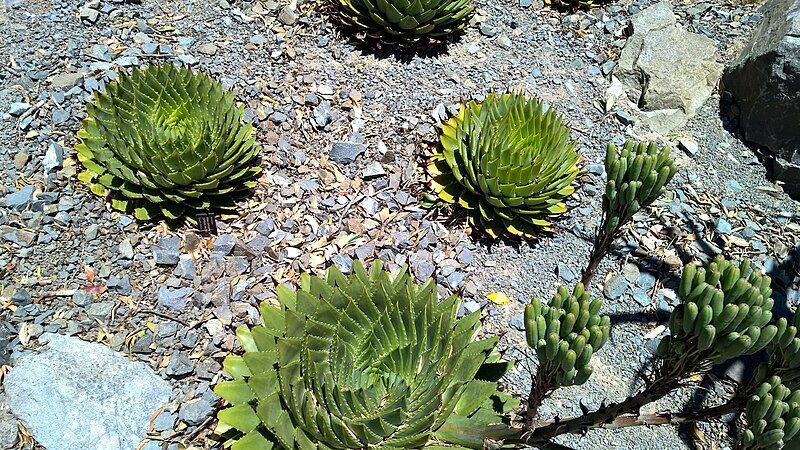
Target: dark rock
174, 299
196, 412
82, 298
346, 152
224, 244
179, 365
167, 251
21, 297
765, 82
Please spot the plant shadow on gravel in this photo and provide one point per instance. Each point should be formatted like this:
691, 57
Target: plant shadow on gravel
397, 52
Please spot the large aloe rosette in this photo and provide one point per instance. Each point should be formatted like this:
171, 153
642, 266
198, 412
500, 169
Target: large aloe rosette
405, 21
164, 140
508, 161
362, 361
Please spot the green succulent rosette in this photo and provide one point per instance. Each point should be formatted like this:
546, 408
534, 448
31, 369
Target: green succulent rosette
508, 162
164, 141
405, 21
363, 361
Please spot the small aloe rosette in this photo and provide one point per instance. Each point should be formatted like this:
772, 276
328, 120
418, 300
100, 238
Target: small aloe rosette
362, 361
164, 141
405, 22
508, 162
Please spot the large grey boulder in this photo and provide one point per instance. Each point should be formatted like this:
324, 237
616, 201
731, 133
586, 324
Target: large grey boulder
765, 82
665, 70
79, 395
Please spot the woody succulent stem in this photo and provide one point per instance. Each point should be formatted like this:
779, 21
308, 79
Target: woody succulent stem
540, 390
604, 416
603, 243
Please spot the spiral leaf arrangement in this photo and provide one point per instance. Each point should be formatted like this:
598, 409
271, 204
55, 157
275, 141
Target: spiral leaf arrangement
724, 313
565, 334
164, 140
773, 417
637, 176
508, 162
405, 21
362, 361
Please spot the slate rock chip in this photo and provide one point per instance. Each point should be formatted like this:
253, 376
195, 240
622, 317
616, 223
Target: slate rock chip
346, 152
167, 251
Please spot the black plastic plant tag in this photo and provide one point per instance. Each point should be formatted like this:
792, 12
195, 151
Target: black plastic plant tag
206, 223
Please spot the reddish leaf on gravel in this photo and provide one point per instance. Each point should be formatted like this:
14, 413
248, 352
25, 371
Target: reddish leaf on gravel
95, 289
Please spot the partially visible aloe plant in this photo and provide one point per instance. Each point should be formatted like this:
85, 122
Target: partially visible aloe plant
166, 141
773, 417
404, 21
508, 162
636, 177
565, 333
363, 361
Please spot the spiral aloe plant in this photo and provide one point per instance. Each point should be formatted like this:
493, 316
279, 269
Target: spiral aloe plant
362, 361
405, 21
637, 176
565, 334
508, 162
164, 140
773, 417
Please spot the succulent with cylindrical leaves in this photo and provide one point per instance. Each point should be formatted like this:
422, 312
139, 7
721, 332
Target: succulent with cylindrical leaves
784, 353
565, 333
508, 162
405, 21
362, 361
724, 313
773, 417
637, 176
165, 141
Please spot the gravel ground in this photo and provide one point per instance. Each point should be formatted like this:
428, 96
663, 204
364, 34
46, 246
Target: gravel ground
344, 127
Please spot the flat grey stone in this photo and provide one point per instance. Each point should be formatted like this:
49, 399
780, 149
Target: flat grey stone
8, 428
346, 152
195, 412
615, 286
80, 395
66, 81
20, 198
174, 299
167, 250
